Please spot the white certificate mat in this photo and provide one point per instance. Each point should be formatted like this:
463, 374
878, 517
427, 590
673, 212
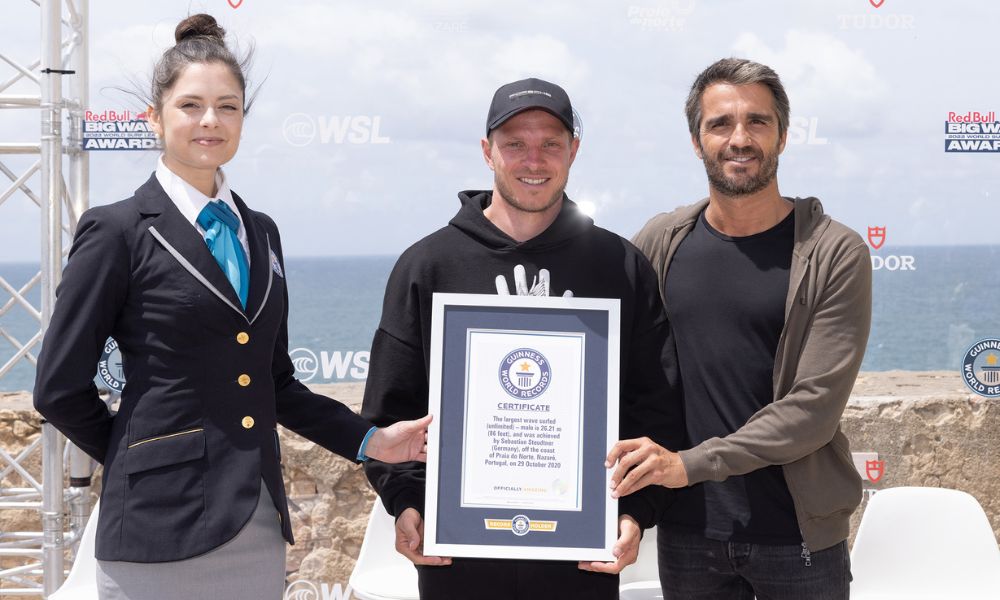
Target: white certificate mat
524, 393
523, 418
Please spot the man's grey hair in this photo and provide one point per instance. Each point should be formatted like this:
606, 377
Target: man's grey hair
736, 71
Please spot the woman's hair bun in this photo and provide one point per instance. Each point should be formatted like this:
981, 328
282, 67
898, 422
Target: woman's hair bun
200, 25
200, 40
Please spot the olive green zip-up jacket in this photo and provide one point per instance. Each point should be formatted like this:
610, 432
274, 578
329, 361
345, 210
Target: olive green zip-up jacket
827, 320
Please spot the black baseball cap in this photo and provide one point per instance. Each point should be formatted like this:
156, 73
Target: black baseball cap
529, 94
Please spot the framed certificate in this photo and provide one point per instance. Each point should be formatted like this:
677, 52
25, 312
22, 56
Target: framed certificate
524, 393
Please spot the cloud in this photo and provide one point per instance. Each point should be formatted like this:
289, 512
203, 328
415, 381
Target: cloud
823, 76
428, 71
124, 58
425, 58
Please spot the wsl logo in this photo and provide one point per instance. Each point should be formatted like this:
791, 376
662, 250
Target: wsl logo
525, 373
981, 368
336, 365
301, 129
303, 589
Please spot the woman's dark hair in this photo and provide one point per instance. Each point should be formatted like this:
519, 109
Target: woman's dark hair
200, 40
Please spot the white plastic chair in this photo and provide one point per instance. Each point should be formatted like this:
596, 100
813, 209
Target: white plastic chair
641, 581
82, 581
381, 573
917, 543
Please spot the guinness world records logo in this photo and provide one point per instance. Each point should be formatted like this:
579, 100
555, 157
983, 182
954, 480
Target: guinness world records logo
110, 369
981, 368
525, 373
520, 525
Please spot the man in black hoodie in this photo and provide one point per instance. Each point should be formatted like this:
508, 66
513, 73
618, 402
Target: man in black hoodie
525, 220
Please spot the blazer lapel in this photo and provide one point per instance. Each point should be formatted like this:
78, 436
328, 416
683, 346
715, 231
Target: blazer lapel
261, 275
182, 240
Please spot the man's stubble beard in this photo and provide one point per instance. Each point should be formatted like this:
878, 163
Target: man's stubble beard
727, 186
509, 197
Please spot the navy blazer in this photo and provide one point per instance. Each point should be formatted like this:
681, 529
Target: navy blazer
206, 381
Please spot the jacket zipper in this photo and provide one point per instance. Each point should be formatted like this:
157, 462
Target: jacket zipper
163, 437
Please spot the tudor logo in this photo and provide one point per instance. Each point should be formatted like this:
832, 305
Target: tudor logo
877, 3
237, 3
876, 237
874, 469
892, 262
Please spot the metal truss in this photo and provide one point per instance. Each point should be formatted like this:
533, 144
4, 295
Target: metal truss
57, 91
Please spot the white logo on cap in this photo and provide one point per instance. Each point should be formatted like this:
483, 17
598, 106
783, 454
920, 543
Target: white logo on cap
529, 92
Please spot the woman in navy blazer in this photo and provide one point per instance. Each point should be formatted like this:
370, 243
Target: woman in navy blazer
193, 499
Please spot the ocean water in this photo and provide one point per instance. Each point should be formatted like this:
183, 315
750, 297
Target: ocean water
923, 319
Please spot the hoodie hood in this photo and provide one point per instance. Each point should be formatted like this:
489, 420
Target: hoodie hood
470, 220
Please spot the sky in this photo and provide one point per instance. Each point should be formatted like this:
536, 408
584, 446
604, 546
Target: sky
870, 88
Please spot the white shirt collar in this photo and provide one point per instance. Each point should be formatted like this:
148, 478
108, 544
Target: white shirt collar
191, 202
188, 199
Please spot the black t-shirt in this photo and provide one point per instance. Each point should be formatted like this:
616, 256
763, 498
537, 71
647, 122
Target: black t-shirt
725, 297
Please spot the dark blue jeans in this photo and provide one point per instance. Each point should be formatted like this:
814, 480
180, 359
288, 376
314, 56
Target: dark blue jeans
693, 567
507, 579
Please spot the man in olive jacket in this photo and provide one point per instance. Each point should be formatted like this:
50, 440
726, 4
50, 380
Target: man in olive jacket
770, 301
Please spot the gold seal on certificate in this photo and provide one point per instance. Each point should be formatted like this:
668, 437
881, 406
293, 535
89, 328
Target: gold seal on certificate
525, 396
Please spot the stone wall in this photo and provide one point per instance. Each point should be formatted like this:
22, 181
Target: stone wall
931, 431
926, 426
